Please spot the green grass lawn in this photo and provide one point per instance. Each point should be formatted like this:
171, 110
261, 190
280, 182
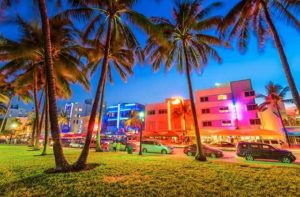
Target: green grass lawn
120, 174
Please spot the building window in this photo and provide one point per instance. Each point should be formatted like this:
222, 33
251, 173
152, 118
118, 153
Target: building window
224, 109
207, 123
255, 121
204, 99
111, 123
205, 111
249, 93
151, 112
226, 123
112, 114
251, 107
163, 111
222, 97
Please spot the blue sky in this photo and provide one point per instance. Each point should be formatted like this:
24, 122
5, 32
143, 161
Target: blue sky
148, 87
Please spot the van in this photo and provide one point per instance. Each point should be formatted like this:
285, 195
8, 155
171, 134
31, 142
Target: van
272, 142
254, 150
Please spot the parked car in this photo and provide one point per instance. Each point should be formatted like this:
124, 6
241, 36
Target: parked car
155, 146
208, 151
222, 144
76, 144
254, 150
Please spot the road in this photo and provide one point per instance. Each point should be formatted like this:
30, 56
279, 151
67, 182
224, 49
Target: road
230, 156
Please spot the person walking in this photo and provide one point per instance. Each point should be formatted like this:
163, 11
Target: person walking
115, 146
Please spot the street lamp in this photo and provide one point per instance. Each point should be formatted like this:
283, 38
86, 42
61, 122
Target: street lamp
142, 118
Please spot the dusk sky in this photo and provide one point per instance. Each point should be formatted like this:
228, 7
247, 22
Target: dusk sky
148, 87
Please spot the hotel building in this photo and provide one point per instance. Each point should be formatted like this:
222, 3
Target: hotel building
171, 118
230, 106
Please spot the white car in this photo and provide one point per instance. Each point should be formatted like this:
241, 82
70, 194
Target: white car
76, 145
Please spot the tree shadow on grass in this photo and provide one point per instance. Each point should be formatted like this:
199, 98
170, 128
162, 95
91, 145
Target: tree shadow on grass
88, 167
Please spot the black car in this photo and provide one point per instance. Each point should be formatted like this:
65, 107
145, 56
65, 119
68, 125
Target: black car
222, 144
254, 150
208, 151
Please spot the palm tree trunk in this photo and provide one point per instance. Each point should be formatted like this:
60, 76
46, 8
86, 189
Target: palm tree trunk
199, 155
284, 61
40, 127
98, 140
60, 160
46, 125
6, 114
283, 126
33, 133
34, 130
81, 162
37, 109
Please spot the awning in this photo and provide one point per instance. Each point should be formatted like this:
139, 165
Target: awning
247, 132
160, 134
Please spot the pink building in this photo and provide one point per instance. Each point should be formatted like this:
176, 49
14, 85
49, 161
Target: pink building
230, 106
227, 107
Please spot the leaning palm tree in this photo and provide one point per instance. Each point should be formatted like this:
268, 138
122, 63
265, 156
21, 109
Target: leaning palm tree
275, 96
258, 16
121, 59
108, 20
186, 43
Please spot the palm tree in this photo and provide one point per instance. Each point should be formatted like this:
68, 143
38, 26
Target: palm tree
183, 111
275, 95
60, 161
28, 55
121, 59
136, 123
46, 137
63, 118
258, 16
187, 45
108, 21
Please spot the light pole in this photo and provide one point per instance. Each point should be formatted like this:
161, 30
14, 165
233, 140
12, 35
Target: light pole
142, 118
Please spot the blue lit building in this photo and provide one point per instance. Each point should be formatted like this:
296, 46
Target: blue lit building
115, 117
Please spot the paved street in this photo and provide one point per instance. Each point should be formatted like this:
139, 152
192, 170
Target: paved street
230, 156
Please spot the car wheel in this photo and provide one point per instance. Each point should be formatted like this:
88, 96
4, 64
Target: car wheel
189, 154
286, 160
164, 152
144, 150
249, 157
213, 155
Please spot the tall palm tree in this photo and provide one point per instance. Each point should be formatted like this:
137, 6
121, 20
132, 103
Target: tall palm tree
186, 43
275, 95
108, 20
258, 16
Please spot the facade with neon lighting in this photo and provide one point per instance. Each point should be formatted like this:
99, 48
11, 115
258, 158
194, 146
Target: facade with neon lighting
225, 112
231, 106
116, 116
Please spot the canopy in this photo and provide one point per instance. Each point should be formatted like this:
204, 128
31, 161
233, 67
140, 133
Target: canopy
160, 134
247, 132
